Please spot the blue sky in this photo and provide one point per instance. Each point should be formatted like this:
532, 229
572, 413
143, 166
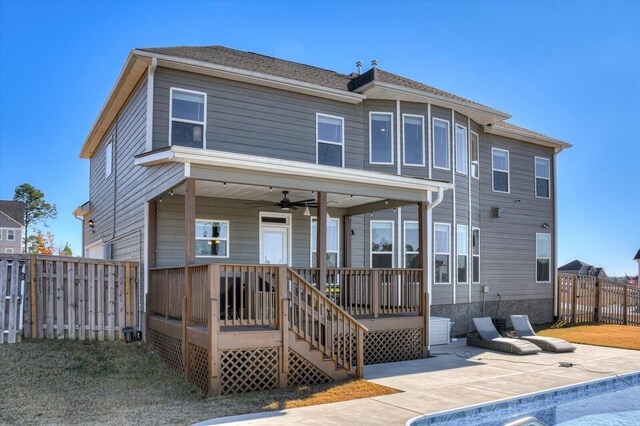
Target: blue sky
567, 69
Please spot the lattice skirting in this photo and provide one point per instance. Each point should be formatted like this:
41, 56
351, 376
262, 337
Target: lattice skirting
302, 372
168, 348
248, 370
198, 366
392, 345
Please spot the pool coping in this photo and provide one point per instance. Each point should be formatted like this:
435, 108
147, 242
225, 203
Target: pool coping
530, 395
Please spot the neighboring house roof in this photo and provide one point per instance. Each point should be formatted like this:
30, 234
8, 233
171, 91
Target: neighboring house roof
600, 270
637, 255
575, 265
13, 210
345, 86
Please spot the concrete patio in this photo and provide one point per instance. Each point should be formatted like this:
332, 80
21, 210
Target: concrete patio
449, 381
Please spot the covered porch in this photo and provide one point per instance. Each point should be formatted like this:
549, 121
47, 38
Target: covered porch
234, 256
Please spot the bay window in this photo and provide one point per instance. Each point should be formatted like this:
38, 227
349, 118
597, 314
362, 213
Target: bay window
462, 248
461, 149
440, 144
475, 155
381, 138
413, 140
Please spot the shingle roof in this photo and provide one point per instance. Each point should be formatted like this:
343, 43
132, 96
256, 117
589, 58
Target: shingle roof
13, 209
509, 126
255, 62
637, 255
573, 266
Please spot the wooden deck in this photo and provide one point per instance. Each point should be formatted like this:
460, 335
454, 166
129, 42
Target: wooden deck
238, 328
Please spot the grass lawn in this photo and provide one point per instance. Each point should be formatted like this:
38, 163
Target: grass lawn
50, 381
614, 336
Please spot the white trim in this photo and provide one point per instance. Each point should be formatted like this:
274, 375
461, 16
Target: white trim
287, 225
465, 254
454, 219
404, 246
181, 120
429, 147
311, 250
248, 162
108, 158
466, 146
227, 239
146, 254
13, 230
508, 171
370, 140
318, 114
393, 243
150, 104
471, 155
433, 127
475, 228
548, 258
436, 253
536, 139
469, 229
555, 237
429, 249
548, 178
12, 219
404, 149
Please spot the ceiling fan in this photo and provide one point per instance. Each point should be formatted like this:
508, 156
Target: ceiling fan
286, 204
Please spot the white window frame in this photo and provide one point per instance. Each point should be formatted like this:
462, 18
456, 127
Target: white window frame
448, 253
508, 171
13, 234
471, 161
181, 120
548, 258
8, 251
311, 250
404, 150
371, 113
1, 232
433, 141
465, 254
393, 244
319, 141
466, 148
227, 239
404, 236
475, 228
548, 179
108, 158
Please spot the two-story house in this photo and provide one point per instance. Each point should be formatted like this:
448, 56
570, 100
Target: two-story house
580, 268
214, 155
11, 226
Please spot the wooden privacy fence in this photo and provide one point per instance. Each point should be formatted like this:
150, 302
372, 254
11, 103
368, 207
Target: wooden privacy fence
70, 297
589, 299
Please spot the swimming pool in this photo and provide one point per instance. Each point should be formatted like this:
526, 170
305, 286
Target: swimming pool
606, 402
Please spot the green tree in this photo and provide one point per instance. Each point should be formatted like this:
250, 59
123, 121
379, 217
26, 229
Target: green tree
65, 251
36, 209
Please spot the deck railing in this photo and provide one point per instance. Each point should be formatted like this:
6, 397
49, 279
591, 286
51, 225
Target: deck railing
590, 299
367, 291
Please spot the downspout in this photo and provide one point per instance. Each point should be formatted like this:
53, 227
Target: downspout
399, 171
555, 235
81, 219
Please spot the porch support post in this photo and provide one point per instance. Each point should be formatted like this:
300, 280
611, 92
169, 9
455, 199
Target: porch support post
321, 241
423, 262
189, 221
346, 235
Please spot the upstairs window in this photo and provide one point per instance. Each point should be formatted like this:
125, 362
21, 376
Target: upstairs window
333, 242
463, 249
212, 238
413, 140
543, 258
411, 245
11, 234
440, 144
543, 173
330, 140
461, 149
381, 244
380, 138
188, 116
500, 169
475, 252
442, 252
475, 155
108, 159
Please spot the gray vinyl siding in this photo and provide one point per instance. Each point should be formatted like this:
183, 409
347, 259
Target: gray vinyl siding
5, 243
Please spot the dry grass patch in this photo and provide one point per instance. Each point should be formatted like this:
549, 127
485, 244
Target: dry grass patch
71, 382
613, 336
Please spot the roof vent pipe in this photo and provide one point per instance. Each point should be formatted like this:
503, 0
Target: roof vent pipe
359, 66
374, 63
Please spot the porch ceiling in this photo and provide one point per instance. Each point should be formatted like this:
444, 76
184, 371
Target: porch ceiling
262, 193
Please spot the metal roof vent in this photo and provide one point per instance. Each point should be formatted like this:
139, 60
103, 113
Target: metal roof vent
359, 66
374, 63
